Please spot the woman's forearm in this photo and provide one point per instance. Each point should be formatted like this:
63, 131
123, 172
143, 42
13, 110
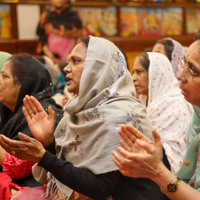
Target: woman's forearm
183, 192
2, 155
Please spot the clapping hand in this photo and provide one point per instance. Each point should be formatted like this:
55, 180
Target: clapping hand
28, 149
140, 156
40, 123
130, 135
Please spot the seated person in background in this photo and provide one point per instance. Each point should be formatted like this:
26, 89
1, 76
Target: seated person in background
67, 95
58, 79
172, 49
86, 136
58, 30
61, 66
21, 75
146, 161
167, 109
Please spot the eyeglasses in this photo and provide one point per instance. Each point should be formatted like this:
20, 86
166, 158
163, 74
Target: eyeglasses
189, 73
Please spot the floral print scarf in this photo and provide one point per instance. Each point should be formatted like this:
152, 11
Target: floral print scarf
87, 134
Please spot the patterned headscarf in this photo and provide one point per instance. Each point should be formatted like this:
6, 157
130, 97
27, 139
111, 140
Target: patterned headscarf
177, 52
87, 134
190, 170
167, 109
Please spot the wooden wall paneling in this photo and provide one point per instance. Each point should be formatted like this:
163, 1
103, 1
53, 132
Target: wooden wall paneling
14, 21
118, 22
129, 44
184, 21
41, 2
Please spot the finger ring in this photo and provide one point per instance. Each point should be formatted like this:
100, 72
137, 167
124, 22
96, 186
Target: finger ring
32, 115
13, 153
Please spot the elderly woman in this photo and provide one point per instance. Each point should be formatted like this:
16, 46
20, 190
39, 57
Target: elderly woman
167, 109
21, 74
86, 136
172, 49
146, 162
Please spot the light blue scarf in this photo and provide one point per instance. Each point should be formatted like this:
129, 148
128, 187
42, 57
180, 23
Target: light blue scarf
190, 170
3, 58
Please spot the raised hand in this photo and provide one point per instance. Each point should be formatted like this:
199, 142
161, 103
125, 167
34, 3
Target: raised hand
42, 18
28, 149
40, 123
129, 135
145, 163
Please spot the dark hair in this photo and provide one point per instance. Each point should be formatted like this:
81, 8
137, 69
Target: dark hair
168, 47
41, 59
125, 56
19, 63
197, 36
144, 60
148, 49
85, 40
62, 65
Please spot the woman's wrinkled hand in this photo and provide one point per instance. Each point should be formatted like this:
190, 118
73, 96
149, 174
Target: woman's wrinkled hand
28, 149
40, 123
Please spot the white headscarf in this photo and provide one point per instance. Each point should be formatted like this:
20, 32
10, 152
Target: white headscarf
87, 134
167, 109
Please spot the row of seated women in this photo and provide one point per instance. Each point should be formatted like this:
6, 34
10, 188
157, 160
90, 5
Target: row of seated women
155, 80
142, 157
167, 109
87, 134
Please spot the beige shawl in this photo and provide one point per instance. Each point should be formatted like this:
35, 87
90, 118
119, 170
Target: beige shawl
87, 134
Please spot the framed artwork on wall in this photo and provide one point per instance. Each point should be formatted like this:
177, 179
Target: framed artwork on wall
98, 21
151, 21
6, 28
129, 22
192, 20
34, 1
25, 1
9, 1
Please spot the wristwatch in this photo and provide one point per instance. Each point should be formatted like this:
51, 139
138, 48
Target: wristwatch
172, 187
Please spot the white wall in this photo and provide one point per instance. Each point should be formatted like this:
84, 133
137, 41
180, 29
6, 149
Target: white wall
28, 17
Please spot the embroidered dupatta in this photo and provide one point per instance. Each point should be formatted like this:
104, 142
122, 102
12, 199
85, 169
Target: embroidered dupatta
87, 134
